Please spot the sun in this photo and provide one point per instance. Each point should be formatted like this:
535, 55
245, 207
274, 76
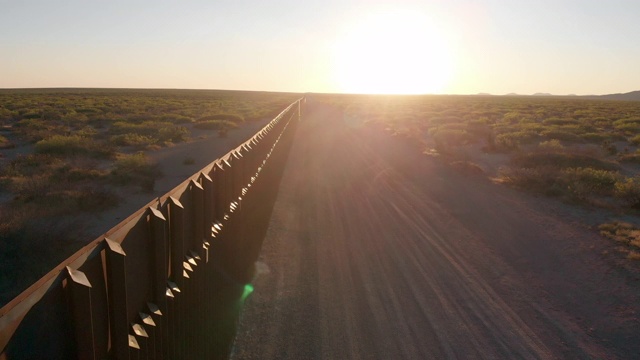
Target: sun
397, 52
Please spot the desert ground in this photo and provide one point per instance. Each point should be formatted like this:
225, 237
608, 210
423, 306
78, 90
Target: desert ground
378, 252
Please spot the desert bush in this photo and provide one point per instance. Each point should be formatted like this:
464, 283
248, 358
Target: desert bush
586, 182
441, 120
628, 128
551, 146
87, 132
177, 119
542, 179
148, 132
630, 158
628, 191
28, 189
132, 140
31, 114
72, 145
29, 165
512, 117
135, 169
561, 160
215, 125
623, 233
34, 130
6, 115
626, 121
234, 118
446, 138
601, 137
562, 135
5, 143
69, 174
173, 134
148, 128
514, 140
560, 121
73, 117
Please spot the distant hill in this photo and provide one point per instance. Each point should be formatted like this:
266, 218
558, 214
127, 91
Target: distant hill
630, 96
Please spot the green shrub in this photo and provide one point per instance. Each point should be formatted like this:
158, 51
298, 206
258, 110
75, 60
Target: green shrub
135, 169
69, 174
562, 135
215, 125
176, 119
35, 129
635, 140
596, 138
29, 165
72, 145
174, 134
630, 158
446, 138
148, 132
132, 140
513, 140
542, 179
551, 146
31, 115
585, 182
560, 121
623, 233
226, 117
627, 121
560, 160
628, 128
628, 190
5, 143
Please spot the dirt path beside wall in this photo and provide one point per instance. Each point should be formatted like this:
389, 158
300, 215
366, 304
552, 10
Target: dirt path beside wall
376, 253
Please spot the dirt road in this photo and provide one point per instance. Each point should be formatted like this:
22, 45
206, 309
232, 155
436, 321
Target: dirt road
376, 253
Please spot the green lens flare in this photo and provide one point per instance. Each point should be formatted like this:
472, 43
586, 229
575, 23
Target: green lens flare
248, 289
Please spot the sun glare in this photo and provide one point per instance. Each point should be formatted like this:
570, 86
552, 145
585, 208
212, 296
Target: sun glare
392, 53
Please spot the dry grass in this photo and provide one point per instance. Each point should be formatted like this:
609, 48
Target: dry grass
626, 235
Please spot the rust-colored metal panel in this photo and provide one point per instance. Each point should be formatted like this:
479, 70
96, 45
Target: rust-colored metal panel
81, 308
138, 246
117, 286
93, 269
45, 331
159, 236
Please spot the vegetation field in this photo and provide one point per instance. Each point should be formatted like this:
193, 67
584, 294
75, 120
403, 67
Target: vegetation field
582, 151
71, 152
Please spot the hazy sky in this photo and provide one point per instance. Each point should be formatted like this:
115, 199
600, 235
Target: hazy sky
465, 47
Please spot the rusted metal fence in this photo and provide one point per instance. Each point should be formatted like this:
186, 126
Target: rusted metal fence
144, 290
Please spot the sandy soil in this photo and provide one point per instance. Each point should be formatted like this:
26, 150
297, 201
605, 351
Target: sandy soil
374, 252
